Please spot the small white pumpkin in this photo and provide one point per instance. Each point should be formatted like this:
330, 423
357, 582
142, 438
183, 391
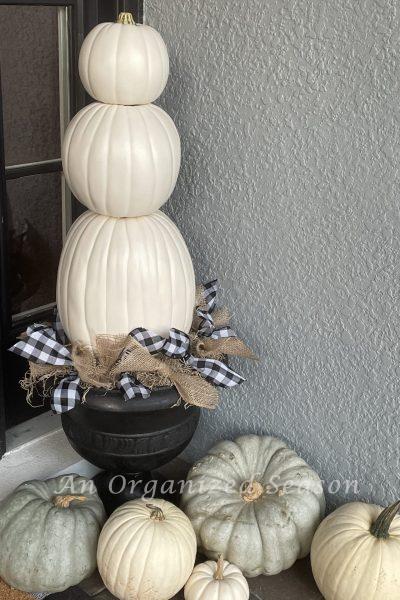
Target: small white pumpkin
124, 63
217, 581
356, 553
255, 502
121, 161
49, 532
118, 274
146, 550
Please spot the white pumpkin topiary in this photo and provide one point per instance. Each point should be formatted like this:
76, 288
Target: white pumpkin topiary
121, 161
118, 274
355, 553
124, 63
124, 265
146, 550
48, 534
216, 581
255, 502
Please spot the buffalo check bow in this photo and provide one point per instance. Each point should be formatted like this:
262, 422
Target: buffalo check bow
42, 345
207, 327
48, 345
177, 345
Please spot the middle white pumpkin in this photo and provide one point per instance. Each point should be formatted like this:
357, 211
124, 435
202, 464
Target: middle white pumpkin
121, 161
118, 274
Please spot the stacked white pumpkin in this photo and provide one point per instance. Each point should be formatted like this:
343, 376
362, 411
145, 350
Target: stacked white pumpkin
124, 264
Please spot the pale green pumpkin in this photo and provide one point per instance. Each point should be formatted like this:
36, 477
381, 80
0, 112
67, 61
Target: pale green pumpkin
256, 502
49, 532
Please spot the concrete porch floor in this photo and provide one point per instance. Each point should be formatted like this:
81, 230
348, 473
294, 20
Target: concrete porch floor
294, 584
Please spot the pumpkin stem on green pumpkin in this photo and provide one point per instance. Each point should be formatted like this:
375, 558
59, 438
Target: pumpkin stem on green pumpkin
126, 18
219, 571
65, 501
254, 490
156, 512
380, 528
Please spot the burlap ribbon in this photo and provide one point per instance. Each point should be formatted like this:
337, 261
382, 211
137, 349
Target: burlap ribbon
101, 365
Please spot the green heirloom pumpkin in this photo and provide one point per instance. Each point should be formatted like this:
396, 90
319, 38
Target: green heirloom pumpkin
256, 502
49, 532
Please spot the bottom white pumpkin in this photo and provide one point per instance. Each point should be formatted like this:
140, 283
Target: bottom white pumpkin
146, 551
118, 274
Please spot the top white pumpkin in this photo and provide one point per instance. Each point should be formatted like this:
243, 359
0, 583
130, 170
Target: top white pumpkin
124, 63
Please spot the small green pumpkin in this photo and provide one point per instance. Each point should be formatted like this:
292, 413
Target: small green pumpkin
49, 532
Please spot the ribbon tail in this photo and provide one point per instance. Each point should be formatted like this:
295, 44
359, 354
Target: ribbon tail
132, 388
40, 345
215, 371
222, 333
232, 346
66, 395
195, 390
206, 327
210, 290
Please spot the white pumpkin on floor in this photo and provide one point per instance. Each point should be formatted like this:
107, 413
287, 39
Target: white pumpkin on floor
356, 553
119, 274
124, 63
217, 581
121, 161
255, 502
146, 550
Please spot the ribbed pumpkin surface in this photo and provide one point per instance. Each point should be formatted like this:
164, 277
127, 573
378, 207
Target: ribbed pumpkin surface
118, 274
124, 64
263, 533
202, 584
349, 562
46, 548
121, 161
142, 558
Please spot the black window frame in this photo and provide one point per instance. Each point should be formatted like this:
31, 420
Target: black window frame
84, 15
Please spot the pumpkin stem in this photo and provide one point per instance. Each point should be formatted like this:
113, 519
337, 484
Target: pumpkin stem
380, 529
253, 491
126, 18
219, 571
156, 512
65, 501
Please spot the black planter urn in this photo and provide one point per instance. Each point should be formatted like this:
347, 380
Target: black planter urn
129, 440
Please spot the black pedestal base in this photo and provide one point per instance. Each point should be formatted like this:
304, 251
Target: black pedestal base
116, 489
130, 441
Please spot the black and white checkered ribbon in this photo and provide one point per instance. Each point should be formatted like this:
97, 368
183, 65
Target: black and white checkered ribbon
148, 339
42, 345
177, 345
45, 344
132, 388
207, 327
59, 329
67, 394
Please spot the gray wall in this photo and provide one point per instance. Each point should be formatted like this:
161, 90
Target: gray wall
289, 115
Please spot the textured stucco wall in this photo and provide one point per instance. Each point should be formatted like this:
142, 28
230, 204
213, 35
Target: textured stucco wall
289, 114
